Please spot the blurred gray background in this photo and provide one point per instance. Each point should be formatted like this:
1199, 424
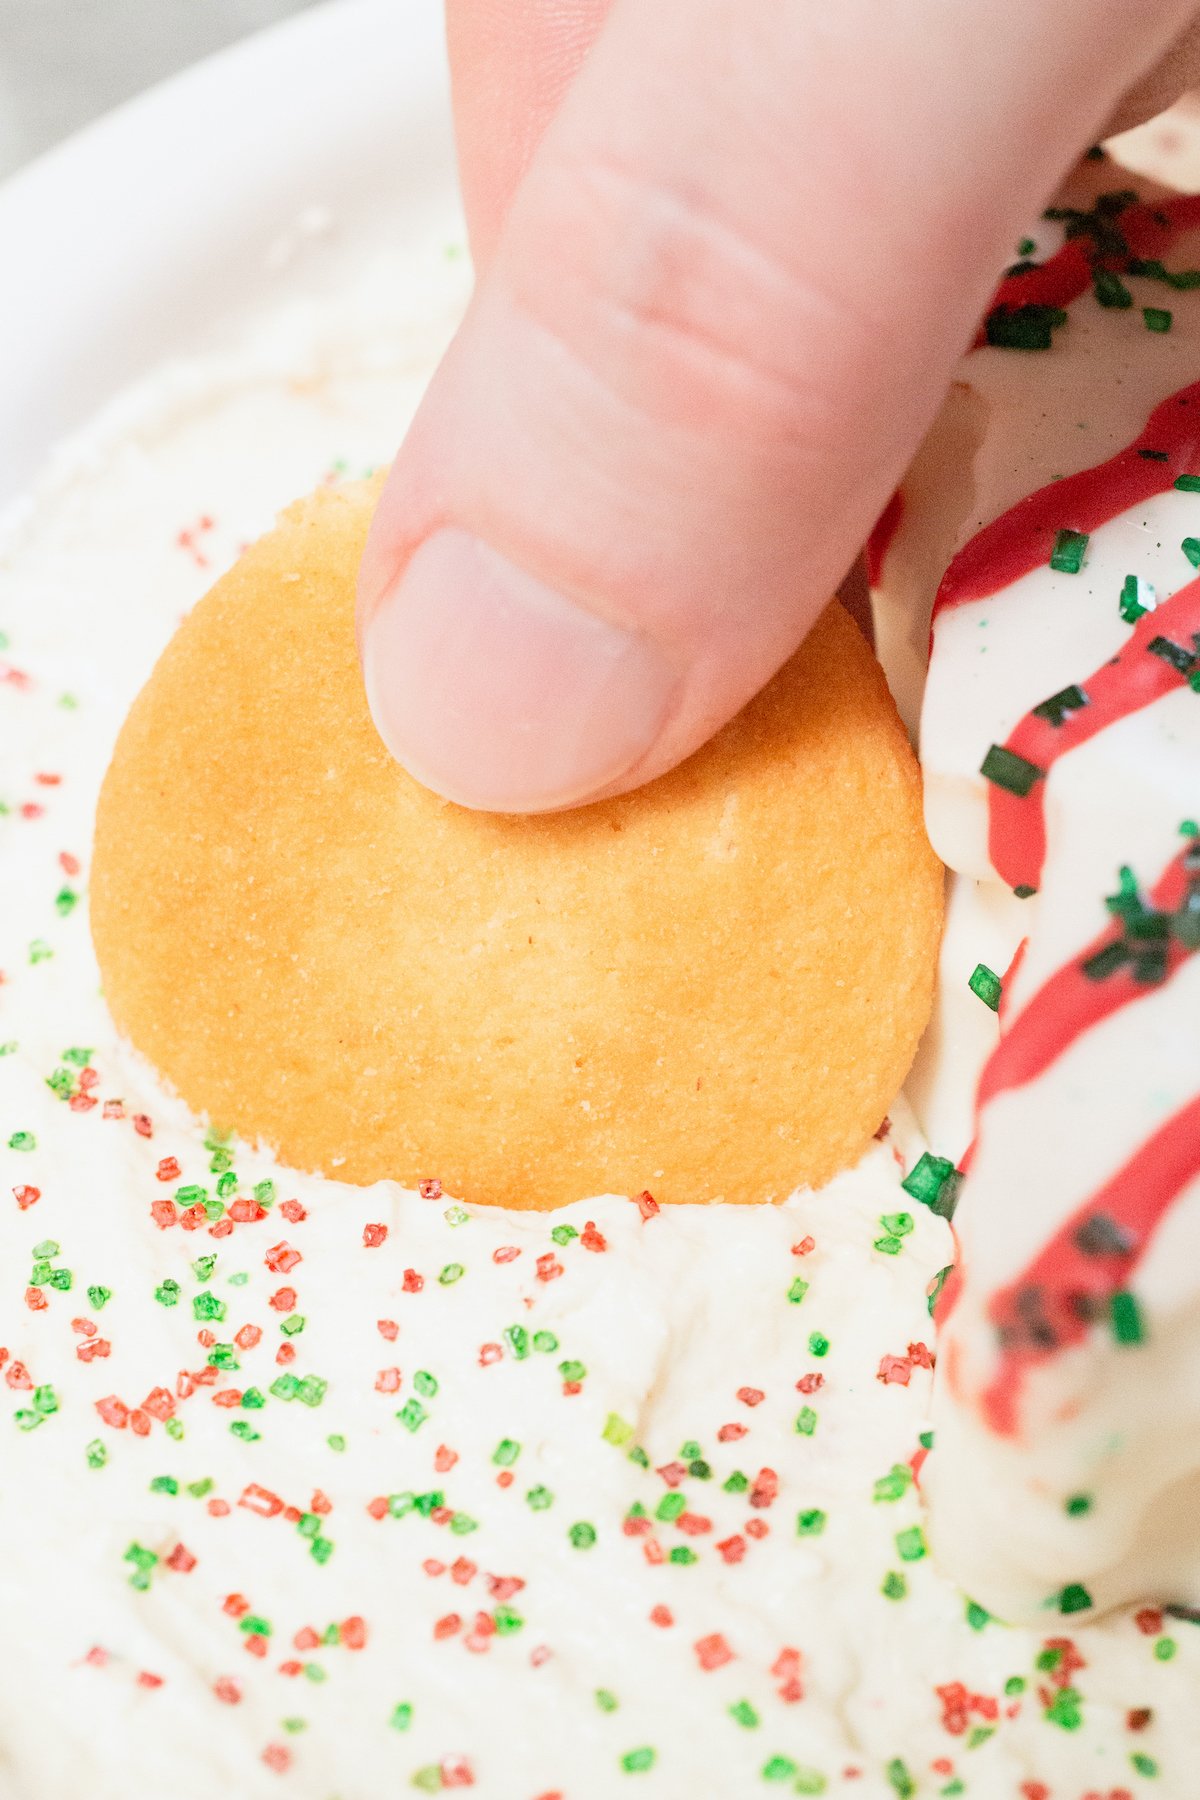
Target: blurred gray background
63, 62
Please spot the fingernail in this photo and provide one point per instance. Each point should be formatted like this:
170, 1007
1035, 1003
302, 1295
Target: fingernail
496, 691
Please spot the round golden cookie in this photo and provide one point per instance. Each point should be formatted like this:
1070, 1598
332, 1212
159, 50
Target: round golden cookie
711, 988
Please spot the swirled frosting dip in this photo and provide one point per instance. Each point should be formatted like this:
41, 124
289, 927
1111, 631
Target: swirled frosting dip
335, 1492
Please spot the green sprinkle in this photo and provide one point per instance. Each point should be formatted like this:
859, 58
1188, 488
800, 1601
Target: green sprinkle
1078, 1504
545, 1342
1067, 555
1065, 1709
903, 1783
517, 1339
336, 1441
1015, 1685
810, 1523
818, 1343
934, 1181
1060, 707
670, 1507
895, 1484
462, 1524
806, 1421
606, 1700
1178, 655
96, 1453
636, 1762
897, 1224
506, 1620
572, 1371
456, 1215
539, 1498
285, 1386
779, 1768
682, 1554
1023, 327
253, 1399
450, 1274
582, 1535
742, 1713
1157, 318
40, 951
506, 1453
1005, 769
1126, 1314
425, 1384
242, 1428
98, 1297
737, 1483
1026, 247
206, 1306
935, 1290
1145, 1765
293, 1325
1074, 1598
617, 1430
977, 1616
910, 1544
1164, 1649
412, 1415
1137, 598
894, 1586
890, 1246
1191, 549
164, 1484
22, 1140
562, 1234
809, 1781
797, 1291
986, 985
429, 1779
1110, 290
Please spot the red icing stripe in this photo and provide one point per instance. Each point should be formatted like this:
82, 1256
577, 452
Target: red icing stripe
1070, 1002
1021, 539
1055, 1303
1149, 229
1131, 680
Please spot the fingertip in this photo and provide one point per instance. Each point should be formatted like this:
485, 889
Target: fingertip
502, 694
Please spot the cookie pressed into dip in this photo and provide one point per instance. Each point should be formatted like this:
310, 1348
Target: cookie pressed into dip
712, 987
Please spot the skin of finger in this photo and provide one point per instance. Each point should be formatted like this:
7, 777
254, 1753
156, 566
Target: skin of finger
727, 299
511, 62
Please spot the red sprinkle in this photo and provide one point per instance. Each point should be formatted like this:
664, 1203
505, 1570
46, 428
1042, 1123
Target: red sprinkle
712, 1652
